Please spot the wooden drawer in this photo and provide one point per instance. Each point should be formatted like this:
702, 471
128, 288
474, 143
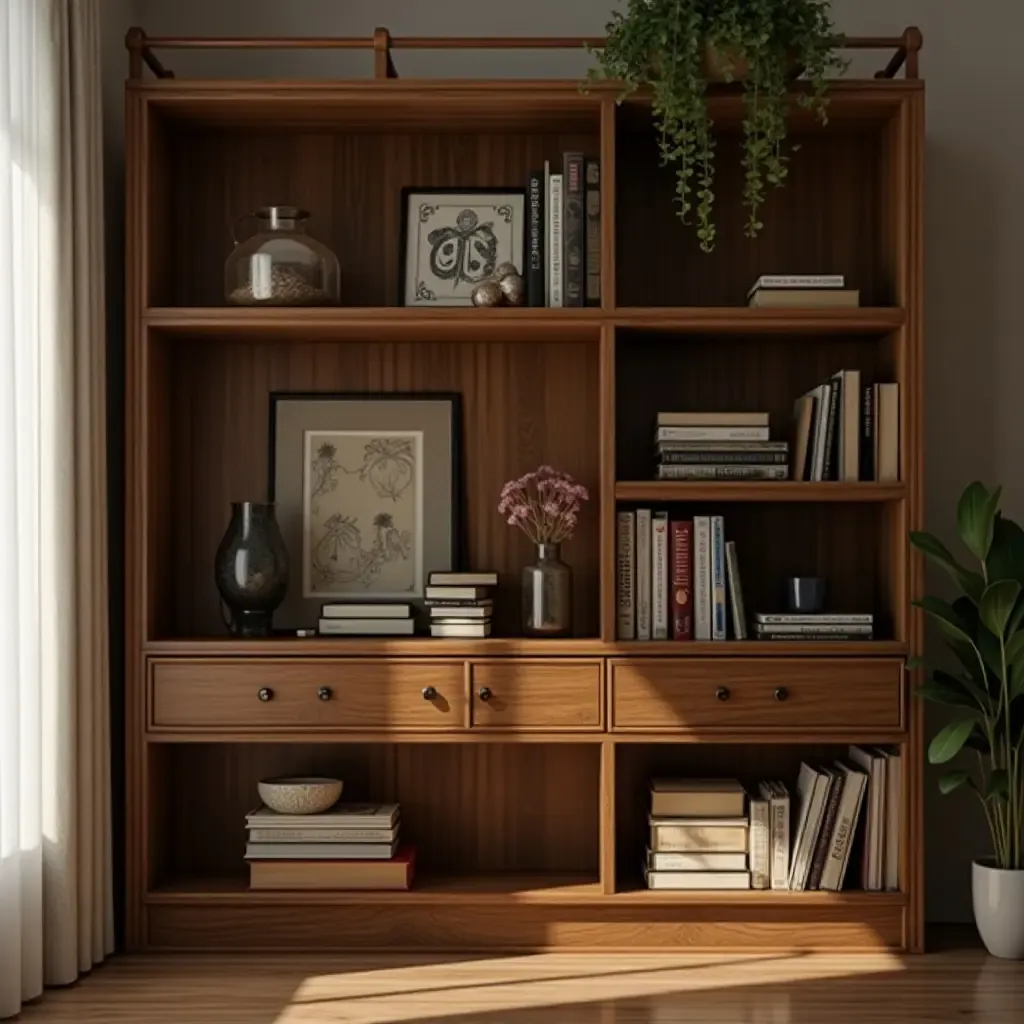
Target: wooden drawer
536, 694
756, 693
308, 694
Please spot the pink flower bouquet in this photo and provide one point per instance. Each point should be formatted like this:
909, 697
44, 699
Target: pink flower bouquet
544, 504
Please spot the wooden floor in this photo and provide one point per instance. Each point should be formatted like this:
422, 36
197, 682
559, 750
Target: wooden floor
544, 989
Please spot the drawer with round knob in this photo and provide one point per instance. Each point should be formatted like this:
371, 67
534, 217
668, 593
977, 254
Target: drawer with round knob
690, 694
534, 694
233, 695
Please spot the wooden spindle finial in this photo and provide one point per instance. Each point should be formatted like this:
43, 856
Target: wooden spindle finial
913, 40
382, 66
135, 43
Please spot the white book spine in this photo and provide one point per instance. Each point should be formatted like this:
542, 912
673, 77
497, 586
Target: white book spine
760, 842
643, 574
691, 471
555, 240
779, 810
659, 576
547, 227
711, 434
843, 831
718, 608
702, 577
626, 576
798, 281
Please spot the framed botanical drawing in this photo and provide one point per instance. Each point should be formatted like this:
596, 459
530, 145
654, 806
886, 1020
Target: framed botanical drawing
454, 238
366, 493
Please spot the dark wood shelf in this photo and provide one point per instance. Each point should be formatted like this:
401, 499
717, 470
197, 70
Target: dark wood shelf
756, 490
743, 320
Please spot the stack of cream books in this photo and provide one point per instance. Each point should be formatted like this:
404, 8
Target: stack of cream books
700, 835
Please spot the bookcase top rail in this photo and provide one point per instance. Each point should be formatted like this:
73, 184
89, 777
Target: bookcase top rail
141, 47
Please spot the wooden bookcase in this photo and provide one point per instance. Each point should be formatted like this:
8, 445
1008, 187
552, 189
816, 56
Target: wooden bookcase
527, 812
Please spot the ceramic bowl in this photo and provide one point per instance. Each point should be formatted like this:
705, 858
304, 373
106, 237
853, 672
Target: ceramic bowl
300, 795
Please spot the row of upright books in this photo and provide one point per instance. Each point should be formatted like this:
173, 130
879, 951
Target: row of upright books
459, 604
351, 846
563, 240
841, 829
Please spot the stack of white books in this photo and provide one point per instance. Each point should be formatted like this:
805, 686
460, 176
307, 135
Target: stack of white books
366, 619
461, 604
699, 835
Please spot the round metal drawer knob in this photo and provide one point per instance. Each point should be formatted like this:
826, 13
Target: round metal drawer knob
781, 693
265, 693
325, 693
722, 693
429, 692
484, 693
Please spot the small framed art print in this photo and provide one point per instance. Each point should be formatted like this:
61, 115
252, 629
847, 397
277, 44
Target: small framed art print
454, 238
366, 495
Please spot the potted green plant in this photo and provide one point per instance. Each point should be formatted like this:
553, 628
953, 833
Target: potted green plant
984, 630
679, 47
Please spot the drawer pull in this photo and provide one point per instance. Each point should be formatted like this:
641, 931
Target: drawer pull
429, 692
325, 693
722, 693
484, 693
781, 693
265, 693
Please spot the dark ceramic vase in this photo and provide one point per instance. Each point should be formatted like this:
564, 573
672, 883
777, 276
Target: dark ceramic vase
251, 569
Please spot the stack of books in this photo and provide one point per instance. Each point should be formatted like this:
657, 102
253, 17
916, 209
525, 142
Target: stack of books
718, 446
814, 626
351, 846
847, 431
563, 237
699, 835
786, 291
366, 620
461, 604
674, 578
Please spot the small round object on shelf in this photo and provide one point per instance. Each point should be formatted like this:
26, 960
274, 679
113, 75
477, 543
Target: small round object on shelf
503, 270
300, 795
513, 287
487, 293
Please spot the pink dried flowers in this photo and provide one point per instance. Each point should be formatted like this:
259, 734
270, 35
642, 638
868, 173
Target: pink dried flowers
544, 504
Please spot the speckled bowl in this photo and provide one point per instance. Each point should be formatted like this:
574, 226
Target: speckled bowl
300, 795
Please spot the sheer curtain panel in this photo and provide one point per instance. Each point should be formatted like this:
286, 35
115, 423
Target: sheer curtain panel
56, 917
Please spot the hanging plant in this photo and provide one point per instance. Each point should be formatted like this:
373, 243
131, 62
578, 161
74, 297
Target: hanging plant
678, 47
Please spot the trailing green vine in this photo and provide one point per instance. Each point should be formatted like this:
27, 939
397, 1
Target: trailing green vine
666, 45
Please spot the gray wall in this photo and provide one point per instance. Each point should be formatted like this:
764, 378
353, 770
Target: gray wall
974, 218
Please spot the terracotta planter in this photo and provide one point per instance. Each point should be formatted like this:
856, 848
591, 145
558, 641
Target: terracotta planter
999, 909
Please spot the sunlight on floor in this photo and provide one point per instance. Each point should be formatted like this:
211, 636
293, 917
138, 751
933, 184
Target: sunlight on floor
543, 982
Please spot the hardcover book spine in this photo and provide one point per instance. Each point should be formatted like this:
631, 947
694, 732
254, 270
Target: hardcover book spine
573, 230
684, 458
711, 434
626, 589
555, 241
321, 835
659, 576
780, 841
831, 468
702, 577
546, 217
692, 472
643, 574
739, 611
535, 256
867, 434
592, 195
718, 607
824, 844
682, 580
760, 843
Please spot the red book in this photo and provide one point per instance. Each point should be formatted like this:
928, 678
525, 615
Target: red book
681, 596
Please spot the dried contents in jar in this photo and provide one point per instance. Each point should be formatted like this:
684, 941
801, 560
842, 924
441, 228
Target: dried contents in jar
287, 288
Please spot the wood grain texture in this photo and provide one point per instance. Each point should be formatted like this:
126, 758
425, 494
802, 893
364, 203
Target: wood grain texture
360, 695
522, 405
528, 694
726, 695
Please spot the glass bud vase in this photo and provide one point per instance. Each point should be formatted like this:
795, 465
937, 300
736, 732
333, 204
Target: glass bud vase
251, 569
547, 594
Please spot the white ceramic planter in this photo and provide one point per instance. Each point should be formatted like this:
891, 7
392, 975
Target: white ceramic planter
999, 909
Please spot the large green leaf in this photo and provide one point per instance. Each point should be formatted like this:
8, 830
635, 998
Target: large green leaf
1006, 555
975, 518
978, 741
948, 742
997, 603
947, 618
971, 583
979, 698
952, 781
949, 691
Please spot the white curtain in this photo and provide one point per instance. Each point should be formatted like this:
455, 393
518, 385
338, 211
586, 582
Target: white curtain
56, 917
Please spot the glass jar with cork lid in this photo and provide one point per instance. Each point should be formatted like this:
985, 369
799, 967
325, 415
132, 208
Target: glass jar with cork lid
280, 265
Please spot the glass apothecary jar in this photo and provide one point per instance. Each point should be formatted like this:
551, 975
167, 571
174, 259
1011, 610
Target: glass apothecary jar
280, 265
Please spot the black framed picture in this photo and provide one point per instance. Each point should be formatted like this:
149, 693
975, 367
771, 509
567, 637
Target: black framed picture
454, 238
366, 488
